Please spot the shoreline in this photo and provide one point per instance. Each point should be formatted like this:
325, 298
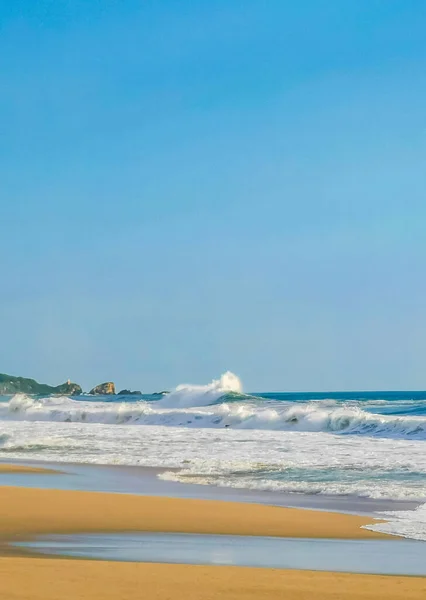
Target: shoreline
142, 480
28, 512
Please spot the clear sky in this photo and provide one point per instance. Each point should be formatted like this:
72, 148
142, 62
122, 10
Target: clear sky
188, 187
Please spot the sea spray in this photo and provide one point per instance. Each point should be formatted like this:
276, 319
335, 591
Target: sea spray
218, 405
190, 395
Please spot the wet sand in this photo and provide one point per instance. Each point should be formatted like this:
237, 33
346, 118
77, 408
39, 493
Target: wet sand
14, 469
48, 579
27, 512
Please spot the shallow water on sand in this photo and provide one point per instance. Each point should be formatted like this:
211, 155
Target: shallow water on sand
405, 557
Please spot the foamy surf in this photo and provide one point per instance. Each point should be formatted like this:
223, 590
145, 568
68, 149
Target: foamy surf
217, 405
189, 395
368, 445
409, 524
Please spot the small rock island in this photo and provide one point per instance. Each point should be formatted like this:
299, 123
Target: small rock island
103, 389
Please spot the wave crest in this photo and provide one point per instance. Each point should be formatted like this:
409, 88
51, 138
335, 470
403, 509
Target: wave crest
240, 413
189, 395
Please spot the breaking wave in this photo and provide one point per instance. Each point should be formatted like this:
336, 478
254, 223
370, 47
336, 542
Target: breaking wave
188, 395
222, 409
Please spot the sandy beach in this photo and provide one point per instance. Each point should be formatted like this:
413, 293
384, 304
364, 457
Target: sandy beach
30, 511
27, 512
46, 579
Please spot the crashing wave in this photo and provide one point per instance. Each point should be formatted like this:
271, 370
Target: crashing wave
190, 395
184, 408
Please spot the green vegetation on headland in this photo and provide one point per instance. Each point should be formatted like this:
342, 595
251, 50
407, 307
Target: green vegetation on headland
22, 385
10, 384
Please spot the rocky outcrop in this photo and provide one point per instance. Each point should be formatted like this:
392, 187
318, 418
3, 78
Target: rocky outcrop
69, 389
10, 384
129, 393
103, 389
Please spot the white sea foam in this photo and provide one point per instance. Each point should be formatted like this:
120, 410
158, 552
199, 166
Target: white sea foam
194, 407
361, 488
404, 523
188, 395
273, 460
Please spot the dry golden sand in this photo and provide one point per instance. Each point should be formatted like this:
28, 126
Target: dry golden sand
29, 511
47, 579
26, 512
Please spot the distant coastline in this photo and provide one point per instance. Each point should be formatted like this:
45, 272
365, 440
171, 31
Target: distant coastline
10, 384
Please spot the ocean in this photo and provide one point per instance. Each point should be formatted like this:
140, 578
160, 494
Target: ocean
356, 444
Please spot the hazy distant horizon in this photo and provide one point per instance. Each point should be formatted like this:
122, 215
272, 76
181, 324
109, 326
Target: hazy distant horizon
122, 386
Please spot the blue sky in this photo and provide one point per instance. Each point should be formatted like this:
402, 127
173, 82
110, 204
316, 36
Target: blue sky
190, 187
